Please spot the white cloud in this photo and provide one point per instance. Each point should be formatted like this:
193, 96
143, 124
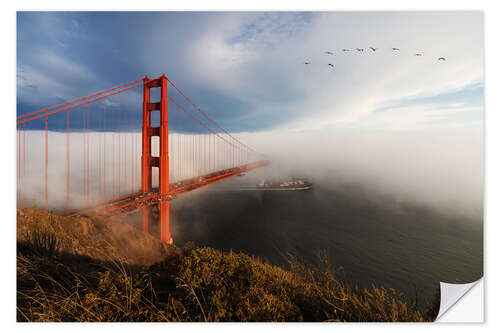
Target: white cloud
257, 59
419, 117
442, 168
266, 69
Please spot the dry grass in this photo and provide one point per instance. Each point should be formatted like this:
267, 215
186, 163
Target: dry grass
192, 284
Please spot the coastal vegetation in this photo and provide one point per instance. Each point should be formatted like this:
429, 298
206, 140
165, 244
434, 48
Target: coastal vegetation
82, 269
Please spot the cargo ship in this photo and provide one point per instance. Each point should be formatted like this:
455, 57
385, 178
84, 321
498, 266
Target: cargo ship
293, 185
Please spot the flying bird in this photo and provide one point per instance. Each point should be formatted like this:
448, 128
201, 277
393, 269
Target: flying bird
331, 65
418, 54
395, 49
307, 63
345, 50
328, 52
441, 58
373, 49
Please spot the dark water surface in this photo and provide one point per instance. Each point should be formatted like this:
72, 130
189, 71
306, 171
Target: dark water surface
376, 240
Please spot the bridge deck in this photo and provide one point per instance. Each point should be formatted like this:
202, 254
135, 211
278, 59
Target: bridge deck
130, 203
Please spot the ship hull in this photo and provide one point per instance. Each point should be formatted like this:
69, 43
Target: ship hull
284, 188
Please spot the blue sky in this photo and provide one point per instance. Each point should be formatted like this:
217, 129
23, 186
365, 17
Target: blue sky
246, 69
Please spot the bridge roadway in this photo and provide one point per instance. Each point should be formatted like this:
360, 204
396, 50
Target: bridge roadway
132, 202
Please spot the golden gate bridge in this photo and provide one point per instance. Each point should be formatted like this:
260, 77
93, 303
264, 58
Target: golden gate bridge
112, 162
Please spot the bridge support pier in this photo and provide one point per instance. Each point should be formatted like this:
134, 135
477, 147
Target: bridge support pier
162, 161
164, 186
164, 209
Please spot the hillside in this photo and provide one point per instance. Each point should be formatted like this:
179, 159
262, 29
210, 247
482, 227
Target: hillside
96, 238
81, 269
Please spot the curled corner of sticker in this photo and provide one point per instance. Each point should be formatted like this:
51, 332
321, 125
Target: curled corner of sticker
451, 293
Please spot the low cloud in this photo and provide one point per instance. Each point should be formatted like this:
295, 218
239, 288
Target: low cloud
441, 168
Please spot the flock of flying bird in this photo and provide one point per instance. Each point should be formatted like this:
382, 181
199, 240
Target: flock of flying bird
374, 50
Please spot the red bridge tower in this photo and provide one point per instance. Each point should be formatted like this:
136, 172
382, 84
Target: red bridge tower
162, 162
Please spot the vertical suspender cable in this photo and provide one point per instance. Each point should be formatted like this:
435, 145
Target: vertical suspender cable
114, 134
209, 151
192, 153
125, 145
184, 152
195, 146
84, 154
119, 145
198, 144
195, 150
87, 151
196, 160
205, 154
87, 154
19, 161
46, 163
67, 160
24, 149
87, 135
171, 157
99, 154
137, 169
136, 157
104, 164
179, 176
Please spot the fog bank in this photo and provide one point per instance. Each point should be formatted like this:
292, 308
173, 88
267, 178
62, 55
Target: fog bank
443, 168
